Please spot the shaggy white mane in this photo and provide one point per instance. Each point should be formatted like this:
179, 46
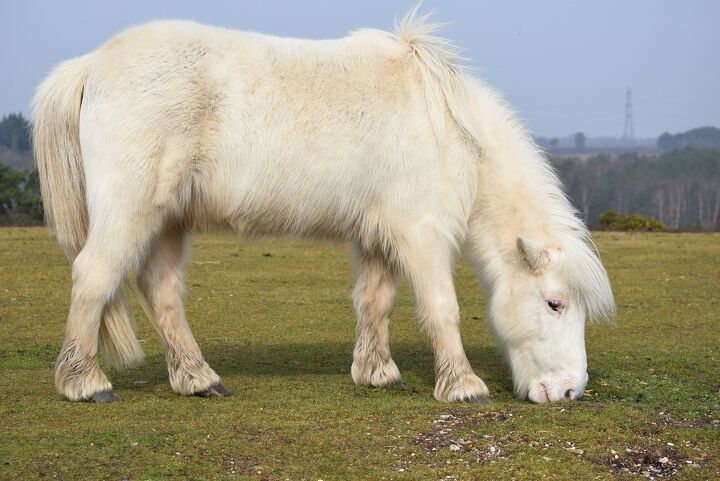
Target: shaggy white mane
491, 125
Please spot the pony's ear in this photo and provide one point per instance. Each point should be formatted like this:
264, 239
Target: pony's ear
534, 254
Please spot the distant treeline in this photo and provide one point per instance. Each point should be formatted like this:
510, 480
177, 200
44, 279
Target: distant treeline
681, 187
701, 138
15, 133
20, 202
15, 142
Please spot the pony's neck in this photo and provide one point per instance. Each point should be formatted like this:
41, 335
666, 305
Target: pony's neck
518, 192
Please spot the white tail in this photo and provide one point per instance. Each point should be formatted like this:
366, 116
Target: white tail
56, 142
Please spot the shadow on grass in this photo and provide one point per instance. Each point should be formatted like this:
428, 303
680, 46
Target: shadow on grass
298, 359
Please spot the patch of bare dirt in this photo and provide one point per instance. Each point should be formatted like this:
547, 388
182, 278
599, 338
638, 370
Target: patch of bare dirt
652, 462
457, 438
434, 446
704, 422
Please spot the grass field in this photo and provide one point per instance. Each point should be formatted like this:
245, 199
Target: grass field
275, 320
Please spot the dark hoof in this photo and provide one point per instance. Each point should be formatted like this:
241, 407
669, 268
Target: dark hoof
103, 397
476, 400
399, 384
216, 390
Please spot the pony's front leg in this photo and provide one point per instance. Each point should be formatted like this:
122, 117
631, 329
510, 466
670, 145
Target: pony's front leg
373, 298
427, 263
162, 283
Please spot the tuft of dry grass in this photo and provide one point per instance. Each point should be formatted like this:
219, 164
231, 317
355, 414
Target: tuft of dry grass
274, 318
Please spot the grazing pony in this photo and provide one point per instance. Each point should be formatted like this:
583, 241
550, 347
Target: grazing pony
379, 138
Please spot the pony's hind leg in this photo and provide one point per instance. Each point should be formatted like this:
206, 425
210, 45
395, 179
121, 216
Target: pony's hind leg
97, 273
427, 262
162, 282
373, 297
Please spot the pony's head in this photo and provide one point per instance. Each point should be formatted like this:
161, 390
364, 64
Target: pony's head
538, 308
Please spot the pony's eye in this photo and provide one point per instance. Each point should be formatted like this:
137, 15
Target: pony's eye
555, 305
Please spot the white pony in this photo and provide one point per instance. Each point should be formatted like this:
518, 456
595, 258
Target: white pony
380, 138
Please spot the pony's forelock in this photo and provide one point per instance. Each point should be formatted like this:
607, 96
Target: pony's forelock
586, 276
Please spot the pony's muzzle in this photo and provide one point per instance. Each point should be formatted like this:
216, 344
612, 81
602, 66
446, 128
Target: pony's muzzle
566, 390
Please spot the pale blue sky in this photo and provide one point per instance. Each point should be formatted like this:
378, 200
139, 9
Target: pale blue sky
563, 64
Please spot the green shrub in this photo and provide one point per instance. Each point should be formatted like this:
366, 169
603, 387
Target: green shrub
639, 222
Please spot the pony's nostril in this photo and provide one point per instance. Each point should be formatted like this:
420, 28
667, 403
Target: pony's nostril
570, 394
543, 394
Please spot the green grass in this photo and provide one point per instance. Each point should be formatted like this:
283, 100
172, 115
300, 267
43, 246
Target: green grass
279, 330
